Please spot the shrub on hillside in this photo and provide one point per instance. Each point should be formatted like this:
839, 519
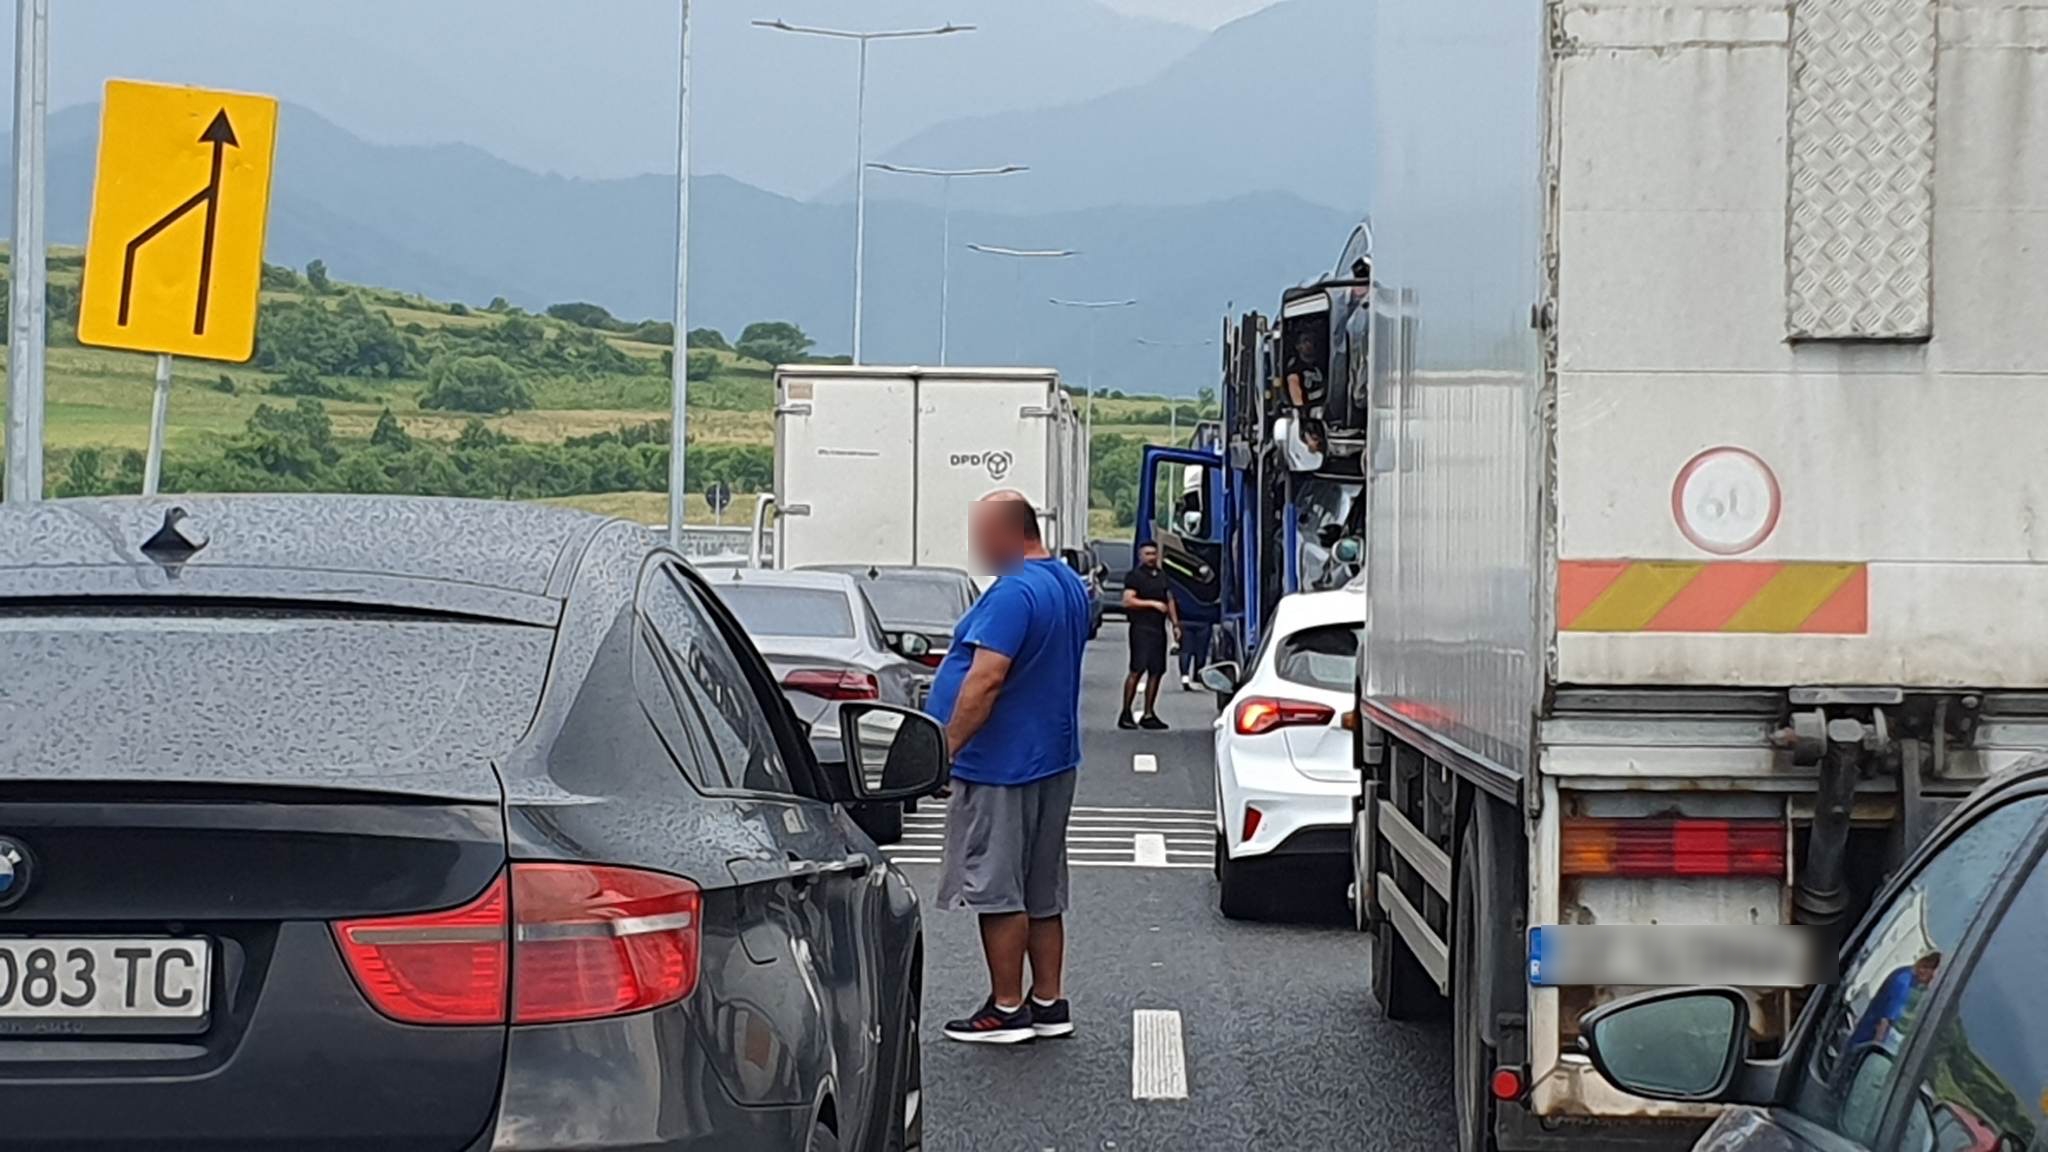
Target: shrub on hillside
774, 342
701, 366
710, 338
300, 379
587, 315
483, 384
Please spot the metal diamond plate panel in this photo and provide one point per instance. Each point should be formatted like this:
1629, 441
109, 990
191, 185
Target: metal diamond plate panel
1860, 219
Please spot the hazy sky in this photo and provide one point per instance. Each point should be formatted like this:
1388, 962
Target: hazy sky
1201, 13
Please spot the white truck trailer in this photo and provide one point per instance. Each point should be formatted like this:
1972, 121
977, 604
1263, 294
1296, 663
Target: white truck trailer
1708, 495
877, 465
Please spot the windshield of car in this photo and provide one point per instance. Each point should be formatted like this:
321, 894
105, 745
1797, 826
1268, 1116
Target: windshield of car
1114, 554
1325, 657
908, 599
765, 610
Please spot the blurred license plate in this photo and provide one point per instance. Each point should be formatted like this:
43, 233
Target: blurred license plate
101, 979
1751, 955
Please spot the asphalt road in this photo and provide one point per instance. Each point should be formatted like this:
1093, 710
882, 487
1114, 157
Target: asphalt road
1280, 1044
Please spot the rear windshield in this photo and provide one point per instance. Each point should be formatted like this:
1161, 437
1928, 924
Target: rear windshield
1115, 556
1324, 657
903, 599
767, 611
189, 694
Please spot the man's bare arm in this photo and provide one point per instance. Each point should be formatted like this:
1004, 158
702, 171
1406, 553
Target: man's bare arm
977, 697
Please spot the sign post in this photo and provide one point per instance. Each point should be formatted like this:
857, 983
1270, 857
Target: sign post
174, 255
719, 496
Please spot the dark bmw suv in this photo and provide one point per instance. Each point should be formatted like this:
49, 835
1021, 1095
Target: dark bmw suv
385, 823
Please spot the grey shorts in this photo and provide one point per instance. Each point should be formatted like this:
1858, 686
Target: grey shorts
1006, 848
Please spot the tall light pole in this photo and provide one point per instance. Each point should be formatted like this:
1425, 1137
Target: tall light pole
28, 304
860, 144
679, 355
946, 176
1018, 258
1173, 407
1094, 308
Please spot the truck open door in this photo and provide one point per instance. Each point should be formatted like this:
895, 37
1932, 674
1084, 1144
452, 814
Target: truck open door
1180, 498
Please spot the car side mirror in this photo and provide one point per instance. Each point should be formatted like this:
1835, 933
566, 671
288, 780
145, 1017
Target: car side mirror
893, 753
1223, 677
1682, 1044
910, 645
1348, 550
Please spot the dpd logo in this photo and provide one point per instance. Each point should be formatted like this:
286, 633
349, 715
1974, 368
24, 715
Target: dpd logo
997, 463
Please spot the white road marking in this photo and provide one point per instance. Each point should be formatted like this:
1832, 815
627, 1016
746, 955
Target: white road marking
1144, 762
1148, 848
1079, 810
1159, 1066
1171, 865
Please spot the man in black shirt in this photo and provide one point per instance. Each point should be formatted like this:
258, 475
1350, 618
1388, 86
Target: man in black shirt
1149, 607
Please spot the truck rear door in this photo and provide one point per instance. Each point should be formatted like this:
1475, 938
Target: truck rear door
846, 470
975, 437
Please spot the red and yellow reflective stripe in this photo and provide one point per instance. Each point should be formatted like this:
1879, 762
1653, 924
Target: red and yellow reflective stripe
1731, 596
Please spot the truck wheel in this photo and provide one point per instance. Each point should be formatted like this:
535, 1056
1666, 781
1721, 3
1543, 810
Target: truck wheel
1400, 984
1471, 1059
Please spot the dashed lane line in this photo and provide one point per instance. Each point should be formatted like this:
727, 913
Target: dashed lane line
1144, 762
1159, 1065
1148, 848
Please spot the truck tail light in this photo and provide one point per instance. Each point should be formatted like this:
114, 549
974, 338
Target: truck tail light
544, 944
1257, 715
1672, 846
833, 684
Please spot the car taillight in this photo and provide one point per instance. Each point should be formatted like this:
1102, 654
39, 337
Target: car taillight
554, 942
833, 684
437, 968
1671, 846
590, 942
932, 659
1257, 715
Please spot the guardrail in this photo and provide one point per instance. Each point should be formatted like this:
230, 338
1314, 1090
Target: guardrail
713, 545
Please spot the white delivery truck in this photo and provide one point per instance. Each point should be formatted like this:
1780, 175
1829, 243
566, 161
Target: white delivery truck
878, 465
1707, 498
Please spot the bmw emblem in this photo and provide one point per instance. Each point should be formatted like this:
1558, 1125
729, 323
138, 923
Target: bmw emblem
15, 868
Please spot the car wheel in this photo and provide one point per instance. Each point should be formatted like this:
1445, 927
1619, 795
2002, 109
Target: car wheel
1238, 895
906, 1118
822, 1140
1471, 1059
1400, 984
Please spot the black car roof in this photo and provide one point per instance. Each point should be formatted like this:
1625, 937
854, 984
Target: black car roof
487, 557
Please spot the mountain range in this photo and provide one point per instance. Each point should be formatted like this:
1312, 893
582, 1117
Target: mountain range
1218, 177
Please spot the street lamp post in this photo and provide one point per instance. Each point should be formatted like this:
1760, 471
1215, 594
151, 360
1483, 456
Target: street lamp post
1018, 257
860, 145
25, 364
946, 176
1094, 309
679, 356
1173, 408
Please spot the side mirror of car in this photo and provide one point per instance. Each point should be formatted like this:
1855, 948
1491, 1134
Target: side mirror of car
1682, 1044
910, 645
1223, 677
893, 753
1348, 550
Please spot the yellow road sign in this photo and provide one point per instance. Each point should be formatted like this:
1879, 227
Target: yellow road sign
174, 258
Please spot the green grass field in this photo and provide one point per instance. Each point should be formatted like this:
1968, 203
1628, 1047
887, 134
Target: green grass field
101, 398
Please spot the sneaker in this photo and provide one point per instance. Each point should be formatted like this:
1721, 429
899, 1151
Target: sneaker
1152, 724
992, 1025
1051, 1020
1125, 722
1187, 684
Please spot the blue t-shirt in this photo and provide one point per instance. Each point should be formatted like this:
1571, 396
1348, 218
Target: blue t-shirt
1037, 615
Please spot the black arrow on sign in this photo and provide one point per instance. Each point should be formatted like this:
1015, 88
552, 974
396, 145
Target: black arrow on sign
220, 134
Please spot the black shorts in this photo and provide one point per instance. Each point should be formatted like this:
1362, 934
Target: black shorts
1148, 650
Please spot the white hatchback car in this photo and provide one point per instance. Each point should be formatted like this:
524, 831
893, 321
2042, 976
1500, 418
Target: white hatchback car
1285, 780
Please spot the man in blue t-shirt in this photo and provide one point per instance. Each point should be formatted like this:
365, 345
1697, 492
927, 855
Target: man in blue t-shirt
1009, 693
